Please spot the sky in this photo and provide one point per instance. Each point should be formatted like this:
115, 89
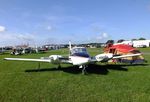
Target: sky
79, 21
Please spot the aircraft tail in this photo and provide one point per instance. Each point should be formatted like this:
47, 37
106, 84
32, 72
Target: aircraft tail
70, 48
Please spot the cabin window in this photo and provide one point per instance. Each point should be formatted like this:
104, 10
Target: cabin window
79, 50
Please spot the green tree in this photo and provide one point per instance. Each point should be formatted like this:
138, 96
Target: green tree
134, 39
121, 40
110, 42
142, 38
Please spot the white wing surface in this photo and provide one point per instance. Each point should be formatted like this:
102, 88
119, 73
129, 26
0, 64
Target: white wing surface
107, 57
128, 55
54, 59
26, 59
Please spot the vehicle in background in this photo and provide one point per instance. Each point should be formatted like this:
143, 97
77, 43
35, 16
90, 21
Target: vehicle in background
2, 50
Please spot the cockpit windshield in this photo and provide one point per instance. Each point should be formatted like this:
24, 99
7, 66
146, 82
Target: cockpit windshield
81, 51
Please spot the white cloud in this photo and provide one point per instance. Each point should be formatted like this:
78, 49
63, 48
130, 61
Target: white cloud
2, 29
9, 37
102, 36
62, 19
49, 28
105, 35
24, 37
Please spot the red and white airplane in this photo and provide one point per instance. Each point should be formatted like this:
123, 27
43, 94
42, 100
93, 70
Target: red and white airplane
78, 57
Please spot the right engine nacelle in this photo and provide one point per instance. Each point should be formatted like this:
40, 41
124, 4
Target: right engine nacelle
103, 57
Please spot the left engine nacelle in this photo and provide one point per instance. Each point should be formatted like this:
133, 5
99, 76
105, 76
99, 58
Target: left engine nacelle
55, 59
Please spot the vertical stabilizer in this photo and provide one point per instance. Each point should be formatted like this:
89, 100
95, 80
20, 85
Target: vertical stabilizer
69, 47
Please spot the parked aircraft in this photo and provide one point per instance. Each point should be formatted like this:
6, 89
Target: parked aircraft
124, 49
78, 56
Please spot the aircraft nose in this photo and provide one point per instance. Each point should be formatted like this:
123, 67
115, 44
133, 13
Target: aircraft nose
89, 60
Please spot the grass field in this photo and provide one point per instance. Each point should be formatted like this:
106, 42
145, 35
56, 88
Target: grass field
22, 81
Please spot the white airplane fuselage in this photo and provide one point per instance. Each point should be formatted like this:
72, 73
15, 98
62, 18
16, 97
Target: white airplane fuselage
77, 60
79, 56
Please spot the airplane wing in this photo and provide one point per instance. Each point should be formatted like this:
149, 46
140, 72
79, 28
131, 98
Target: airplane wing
106, 57
26, 59
55, 59
128, 55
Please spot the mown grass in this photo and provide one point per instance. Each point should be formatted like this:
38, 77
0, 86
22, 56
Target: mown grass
22, 81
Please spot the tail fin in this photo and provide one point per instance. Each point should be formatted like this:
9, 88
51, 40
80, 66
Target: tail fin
69, 47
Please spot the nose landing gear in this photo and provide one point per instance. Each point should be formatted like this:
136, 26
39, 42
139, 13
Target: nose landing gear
84, 72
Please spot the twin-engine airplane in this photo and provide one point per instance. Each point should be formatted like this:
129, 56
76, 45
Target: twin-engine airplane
78, 56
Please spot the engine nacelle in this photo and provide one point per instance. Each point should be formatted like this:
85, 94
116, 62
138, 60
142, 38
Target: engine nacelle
103, 57
55, 59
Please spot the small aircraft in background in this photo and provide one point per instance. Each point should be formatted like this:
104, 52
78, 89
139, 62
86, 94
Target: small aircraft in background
124, 49
78, 56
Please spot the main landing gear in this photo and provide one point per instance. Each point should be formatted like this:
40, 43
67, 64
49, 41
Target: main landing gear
39, 65
59, 66
84, 72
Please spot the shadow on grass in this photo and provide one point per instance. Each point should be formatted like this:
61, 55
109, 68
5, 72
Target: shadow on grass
91, 69
126, 65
